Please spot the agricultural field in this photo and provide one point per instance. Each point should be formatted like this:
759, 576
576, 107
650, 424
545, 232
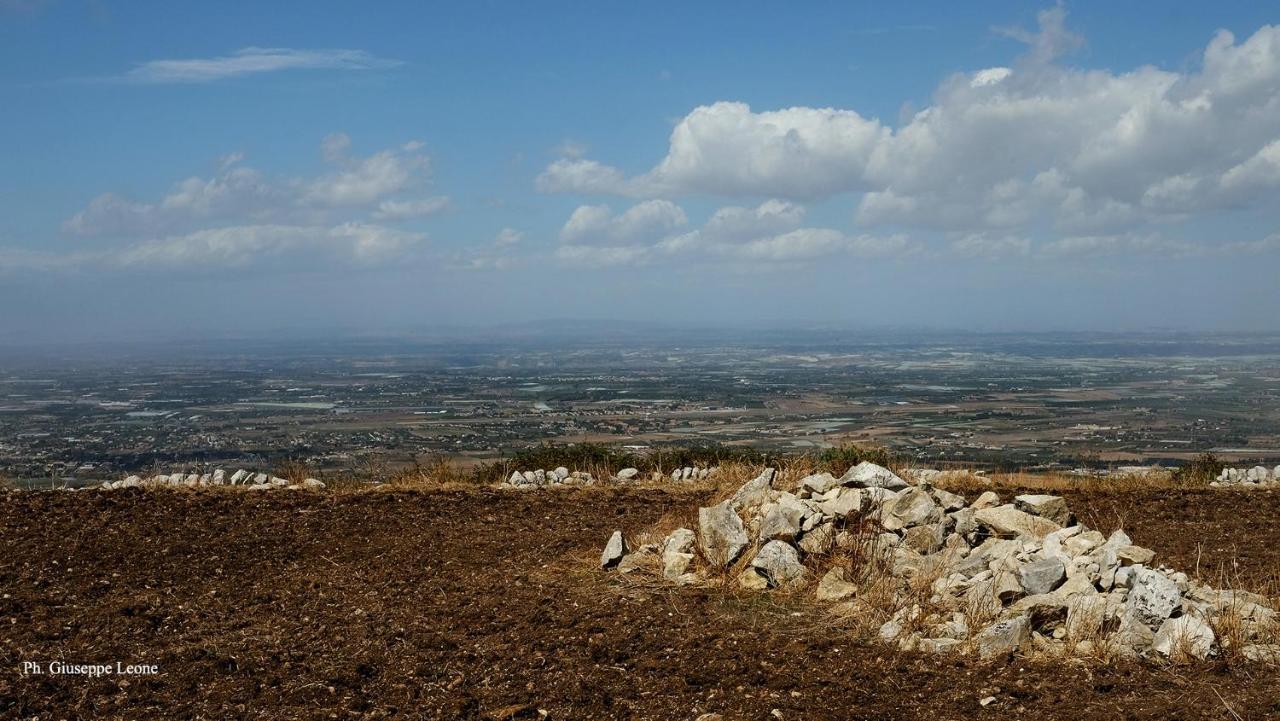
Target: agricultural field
469, 602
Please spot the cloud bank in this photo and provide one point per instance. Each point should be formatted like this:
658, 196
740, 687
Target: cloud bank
1002, 149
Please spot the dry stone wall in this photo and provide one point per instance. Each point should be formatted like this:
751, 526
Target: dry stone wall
559, 477
239, 478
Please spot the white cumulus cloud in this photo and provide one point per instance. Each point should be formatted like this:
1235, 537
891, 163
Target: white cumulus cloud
1086, 153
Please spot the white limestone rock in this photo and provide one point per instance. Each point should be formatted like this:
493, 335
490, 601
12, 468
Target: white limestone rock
722, 535
1004, 637
779, 563
1041, 576
614, 551
1153, 597
870, 475
754, 492
1008, 521
1053, 508
1185, 635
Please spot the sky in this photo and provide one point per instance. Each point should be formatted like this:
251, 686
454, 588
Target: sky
180, 170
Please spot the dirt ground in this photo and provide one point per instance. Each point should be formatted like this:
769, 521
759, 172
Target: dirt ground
484, 604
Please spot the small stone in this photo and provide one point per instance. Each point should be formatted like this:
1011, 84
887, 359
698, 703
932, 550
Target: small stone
834, 586
1053, 508
1088, 615
313, 484
1183, 635
870, 475
627, 474
1135, 555
614, 550
965, 522
988, 499
1006, 587
779, 563
924, 539
848, 501
1004, 637
819, 540
948, 501
819, 482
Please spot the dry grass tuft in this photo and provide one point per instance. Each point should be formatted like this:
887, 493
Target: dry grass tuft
435, 473
1022, 480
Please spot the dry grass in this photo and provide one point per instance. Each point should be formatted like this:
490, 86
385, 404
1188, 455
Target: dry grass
1019, 481
294, 471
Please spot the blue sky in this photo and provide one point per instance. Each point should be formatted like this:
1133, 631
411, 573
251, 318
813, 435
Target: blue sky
178, 169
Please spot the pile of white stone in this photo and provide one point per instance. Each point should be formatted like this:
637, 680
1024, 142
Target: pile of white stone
1256, 476
529, 480
939, 573
242, 478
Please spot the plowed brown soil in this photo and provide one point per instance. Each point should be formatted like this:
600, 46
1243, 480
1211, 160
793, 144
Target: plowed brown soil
484, 604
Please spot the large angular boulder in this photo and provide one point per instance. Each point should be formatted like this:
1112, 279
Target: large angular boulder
912, 507
783, 521
779, 564
869, 475
1041, 576
723, 537
1010, 522
848, 501
1153, 597
754, 492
